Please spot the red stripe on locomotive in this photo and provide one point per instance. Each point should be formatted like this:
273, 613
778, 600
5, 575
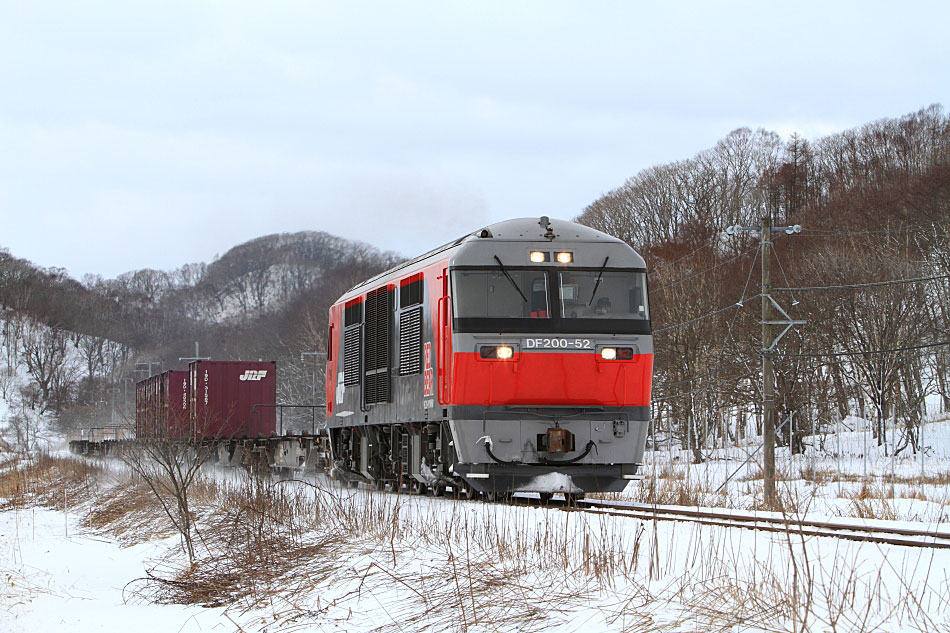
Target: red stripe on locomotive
571, 379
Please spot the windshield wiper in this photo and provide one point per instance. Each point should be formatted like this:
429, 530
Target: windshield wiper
597, 283
510, 278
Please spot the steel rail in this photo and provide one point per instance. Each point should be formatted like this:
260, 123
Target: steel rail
872, 534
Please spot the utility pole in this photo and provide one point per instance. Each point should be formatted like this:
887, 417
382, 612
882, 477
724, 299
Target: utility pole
768, 375
197, 356
768, 347
149, 365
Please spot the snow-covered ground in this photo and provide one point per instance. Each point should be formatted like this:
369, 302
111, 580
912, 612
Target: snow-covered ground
58, 576
835, 471
402, 563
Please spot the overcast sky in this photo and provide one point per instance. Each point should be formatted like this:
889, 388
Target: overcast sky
147, 135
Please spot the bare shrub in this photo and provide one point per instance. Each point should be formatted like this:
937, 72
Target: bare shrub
169, 469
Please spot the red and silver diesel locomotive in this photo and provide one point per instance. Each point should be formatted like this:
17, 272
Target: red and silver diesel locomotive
517, 358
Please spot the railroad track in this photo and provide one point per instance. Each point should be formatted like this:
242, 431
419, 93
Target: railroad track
906, 537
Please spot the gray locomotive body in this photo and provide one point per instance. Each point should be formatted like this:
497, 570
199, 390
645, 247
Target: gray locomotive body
518, 358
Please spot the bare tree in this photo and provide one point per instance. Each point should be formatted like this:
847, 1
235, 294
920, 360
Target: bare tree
44, 354
169, 467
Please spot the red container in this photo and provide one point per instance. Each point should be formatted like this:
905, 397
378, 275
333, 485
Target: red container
144, 424
232, 398
177, 413
161, 406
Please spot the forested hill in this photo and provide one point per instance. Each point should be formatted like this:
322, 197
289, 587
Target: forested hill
874, 206
65, 342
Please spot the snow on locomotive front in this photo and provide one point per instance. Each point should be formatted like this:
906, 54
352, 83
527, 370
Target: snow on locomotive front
518, 358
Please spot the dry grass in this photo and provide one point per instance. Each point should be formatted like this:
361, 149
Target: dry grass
308, 557
932, 479
54, 482
129, 512
871, 502
914, 493
272, 545
678, 492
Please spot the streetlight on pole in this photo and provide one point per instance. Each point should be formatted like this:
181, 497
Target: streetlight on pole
768, 347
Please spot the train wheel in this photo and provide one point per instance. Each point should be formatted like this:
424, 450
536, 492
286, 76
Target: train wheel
436, 491
379, 484
417, 488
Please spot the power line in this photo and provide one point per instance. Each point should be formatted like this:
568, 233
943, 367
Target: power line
872, 284
693, 393
722, 349
862, 352
705, 316
703, 272
662, 265
720, 369
904, 229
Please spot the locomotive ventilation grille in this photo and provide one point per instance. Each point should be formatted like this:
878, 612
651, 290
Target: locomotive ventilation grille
379, 310
410, 342
351, 356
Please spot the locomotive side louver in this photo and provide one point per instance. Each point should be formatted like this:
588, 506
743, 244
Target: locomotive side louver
351, 356
379, 309
410, 342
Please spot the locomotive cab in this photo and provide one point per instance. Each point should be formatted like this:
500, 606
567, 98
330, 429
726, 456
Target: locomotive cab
569, 394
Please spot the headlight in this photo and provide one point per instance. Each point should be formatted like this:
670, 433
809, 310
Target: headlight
539, 257
496, 352
616, 353
565, 258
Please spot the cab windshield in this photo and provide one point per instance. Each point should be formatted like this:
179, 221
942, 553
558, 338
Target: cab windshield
607, 294
549, 299
493, 294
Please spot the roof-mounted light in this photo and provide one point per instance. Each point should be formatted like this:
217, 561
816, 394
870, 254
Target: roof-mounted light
539, 257
565, 258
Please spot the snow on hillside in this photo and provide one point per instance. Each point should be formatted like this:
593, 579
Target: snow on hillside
39, 366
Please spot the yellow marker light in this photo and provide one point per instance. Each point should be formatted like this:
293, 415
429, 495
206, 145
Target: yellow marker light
608, 353
565, 258
505, 352
537, 257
